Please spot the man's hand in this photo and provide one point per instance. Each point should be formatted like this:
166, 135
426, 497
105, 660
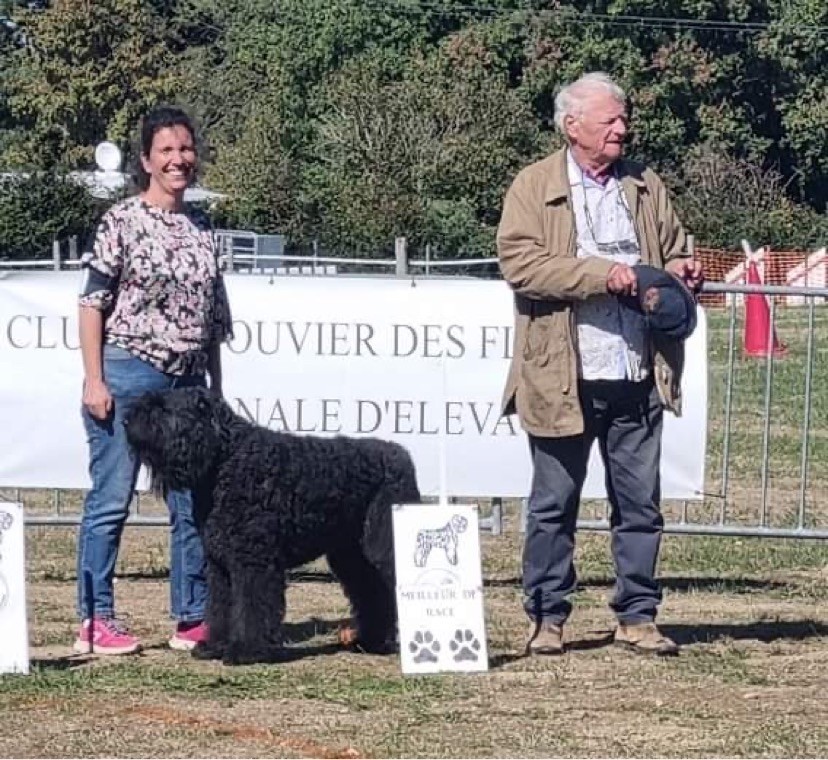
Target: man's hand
690, 271
621, 280
97, 399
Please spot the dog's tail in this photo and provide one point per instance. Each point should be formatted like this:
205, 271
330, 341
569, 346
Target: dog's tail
401, 475
399, 487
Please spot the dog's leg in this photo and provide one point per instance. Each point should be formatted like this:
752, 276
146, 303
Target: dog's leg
258, 609
371, 597
219, 605
451, 549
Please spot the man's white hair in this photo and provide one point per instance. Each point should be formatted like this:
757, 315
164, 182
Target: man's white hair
570, 99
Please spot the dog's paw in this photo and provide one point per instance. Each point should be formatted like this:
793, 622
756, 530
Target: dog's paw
348, 636
465, 646
207, 651
375, 646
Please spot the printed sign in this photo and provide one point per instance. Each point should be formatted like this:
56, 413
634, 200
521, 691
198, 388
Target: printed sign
439, 588
421, 362
14, 637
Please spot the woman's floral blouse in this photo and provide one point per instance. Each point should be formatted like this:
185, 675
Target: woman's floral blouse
166, 302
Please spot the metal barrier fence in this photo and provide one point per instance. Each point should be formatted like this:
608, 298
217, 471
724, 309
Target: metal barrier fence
767, 455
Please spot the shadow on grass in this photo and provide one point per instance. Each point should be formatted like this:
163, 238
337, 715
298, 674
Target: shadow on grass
64, 662
722, 585
308, 629
765, 631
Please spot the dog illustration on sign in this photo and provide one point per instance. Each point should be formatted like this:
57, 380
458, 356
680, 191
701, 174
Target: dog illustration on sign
445, 538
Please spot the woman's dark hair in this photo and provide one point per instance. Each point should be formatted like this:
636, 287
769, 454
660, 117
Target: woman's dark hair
160, 117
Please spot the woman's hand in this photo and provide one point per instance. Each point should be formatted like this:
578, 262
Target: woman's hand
97, 399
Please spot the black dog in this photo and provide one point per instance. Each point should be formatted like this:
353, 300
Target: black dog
266, 502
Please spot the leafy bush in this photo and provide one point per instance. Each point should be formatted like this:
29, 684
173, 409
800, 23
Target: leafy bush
722, 200
36, 209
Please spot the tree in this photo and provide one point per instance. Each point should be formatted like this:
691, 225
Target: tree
722, 200
409, 155
87, 73
794, 51
257, 175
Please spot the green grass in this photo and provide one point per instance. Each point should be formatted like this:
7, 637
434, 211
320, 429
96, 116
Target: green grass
134, 676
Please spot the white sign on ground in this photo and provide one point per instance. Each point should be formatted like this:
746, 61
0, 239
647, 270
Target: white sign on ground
439, 588
14, 636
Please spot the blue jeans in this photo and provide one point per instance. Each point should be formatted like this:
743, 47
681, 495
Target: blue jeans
113, 468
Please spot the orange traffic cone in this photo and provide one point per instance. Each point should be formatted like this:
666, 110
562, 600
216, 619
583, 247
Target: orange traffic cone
760, 335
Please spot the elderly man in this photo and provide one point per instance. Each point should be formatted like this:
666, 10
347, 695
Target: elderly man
585, 366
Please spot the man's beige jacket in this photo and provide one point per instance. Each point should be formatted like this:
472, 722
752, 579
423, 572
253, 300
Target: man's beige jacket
536, 246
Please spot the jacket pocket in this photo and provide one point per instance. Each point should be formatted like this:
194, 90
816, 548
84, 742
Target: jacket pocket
536, 347
547, 351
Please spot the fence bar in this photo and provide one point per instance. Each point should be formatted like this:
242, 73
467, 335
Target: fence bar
700, 529
228, 247
497, 516
731, 355
763, 520
766, 290
806, 421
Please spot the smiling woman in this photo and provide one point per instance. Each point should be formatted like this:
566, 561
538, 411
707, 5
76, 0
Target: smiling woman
153, 313
168, 159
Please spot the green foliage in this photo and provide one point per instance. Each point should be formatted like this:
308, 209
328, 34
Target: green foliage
90, 69
257, 175
424, 155
354, 121
39, 208
722, 200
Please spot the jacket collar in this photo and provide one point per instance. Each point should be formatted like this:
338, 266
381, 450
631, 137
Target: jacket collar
557, 184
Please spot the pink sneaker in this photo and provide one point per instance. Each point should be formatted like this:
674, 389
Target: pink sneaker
105, 636
187, 635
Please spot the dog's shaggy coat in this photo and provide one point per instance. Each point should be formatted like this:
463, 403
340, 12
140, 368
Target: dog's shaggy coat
266, 502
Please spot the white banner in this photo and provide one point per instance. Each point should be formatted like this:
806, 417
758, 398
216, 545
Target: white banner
422, 362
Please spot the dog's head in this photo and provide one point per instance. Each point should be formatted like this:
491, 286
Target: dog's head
179, 434
459, 523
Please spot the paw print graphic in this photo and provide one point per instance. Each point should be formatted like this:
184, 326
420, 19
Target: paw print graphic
465, 646
424, 647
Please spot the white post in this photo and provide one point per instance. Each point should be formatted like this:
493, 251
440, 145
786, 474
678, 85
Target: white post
401, 255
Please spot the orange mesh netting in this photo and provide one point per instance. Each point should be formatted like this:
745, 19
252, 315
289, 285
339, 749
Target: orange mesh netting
775, 268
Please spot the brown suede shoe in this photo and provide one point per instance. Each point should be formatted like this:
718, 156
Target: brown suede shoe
645, 638
545, 638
